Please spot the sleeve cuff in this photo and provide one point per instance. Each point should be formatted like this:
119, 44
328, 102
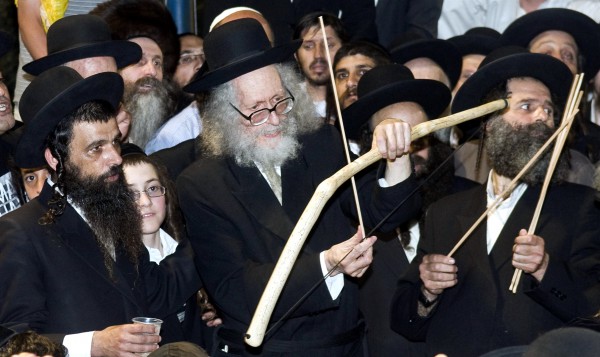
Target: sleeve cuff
79, 345
335, 284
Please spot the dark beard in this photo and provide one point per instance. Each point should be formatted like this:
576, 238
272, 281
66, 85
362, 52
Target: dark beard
510, 148
149, 110
110, 211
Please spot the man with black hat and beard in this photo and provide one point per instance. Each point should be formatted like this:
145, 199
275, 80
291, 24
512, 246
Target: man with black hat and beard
150, 97
391, 91
462, 305
264, 155
73, 265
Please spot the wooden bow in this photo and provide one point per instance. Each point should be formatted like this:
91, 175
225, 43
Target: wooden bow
256, 331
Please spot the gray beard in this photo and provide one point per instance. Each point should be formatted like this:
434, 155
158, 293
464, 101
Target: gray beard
510, 148
247, 152
149, 110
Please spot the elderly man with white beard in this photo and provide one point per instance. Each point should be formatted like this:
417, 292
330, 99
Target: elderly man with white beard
264, 155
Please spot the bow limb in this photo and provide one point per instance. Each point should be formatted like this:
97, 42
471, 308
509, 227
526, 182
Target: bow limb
256, 331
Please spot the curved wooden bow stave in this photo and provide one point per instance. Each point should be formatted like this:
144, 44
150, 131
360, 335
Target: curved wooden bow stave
256, 331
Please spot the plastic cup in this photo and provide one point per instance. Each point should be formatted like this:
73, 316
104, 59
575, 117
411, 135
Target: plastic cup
148, 321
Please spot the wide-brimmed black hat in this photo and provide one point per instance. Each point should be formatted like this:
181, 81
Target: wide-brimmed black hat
6, 42
236, 48
442, 52
389, 84
584, 30
478, 40
83, 36
53, 95
503, 64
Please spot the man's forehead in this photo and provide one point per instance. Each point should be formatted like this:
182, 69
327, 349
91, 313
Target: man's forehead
93, 129
354, 61
526, 84
258, 83
314, 33
554, 36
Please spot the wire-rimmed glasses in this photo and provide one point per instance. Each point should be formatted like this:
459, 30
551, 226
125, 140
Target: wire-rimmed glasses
152, 191
261, 116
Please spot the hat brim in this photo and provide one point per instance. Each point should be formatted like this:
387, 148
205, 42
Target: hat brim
584, 30
553, 73
106, 86
432, 95
213, 78
445, 54
124, 53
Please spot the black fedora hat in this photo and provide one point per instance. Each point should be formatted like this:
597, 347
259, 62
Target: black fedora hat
584, 30
503, 64
236, 48
478, 40
389, 84
53, 95
6, 42
82, 36
442, 52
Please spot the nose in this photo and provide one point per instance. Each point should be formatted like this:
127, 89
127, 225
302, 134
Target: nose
319, 51
40, 184
274, 118
149, 69
352, 80
112, 155
144, 200
540, 114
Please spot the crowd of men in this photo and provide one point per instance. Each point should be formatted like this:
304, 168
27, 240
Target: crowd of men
248, 125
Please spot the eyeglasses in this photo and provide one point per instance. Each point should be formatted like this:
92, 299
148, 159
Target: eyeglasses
261, 116
189, 58
152, 191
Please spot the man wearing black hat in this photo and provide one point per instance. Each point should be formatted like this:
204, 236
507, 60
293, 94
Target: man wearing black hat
150, 97
72, 260
391, 91
461, 305
264, 155
573, 38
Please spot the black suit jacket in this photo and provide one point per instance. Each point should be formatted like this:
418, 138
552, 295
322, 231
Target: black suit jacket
54, 280
239, 229
480, 314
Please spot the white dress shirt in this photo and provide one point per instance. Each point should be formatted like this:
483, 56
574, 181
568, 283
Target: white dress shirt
497, 218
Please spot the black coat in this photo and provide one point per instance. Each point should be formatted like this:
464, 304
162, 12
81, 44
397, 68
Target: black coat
54, 280
480, 314
239, 228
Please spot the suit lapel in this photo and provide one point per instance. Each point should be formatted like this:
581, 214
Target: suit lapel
476, 244
393, 255
76, 234
255, 194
